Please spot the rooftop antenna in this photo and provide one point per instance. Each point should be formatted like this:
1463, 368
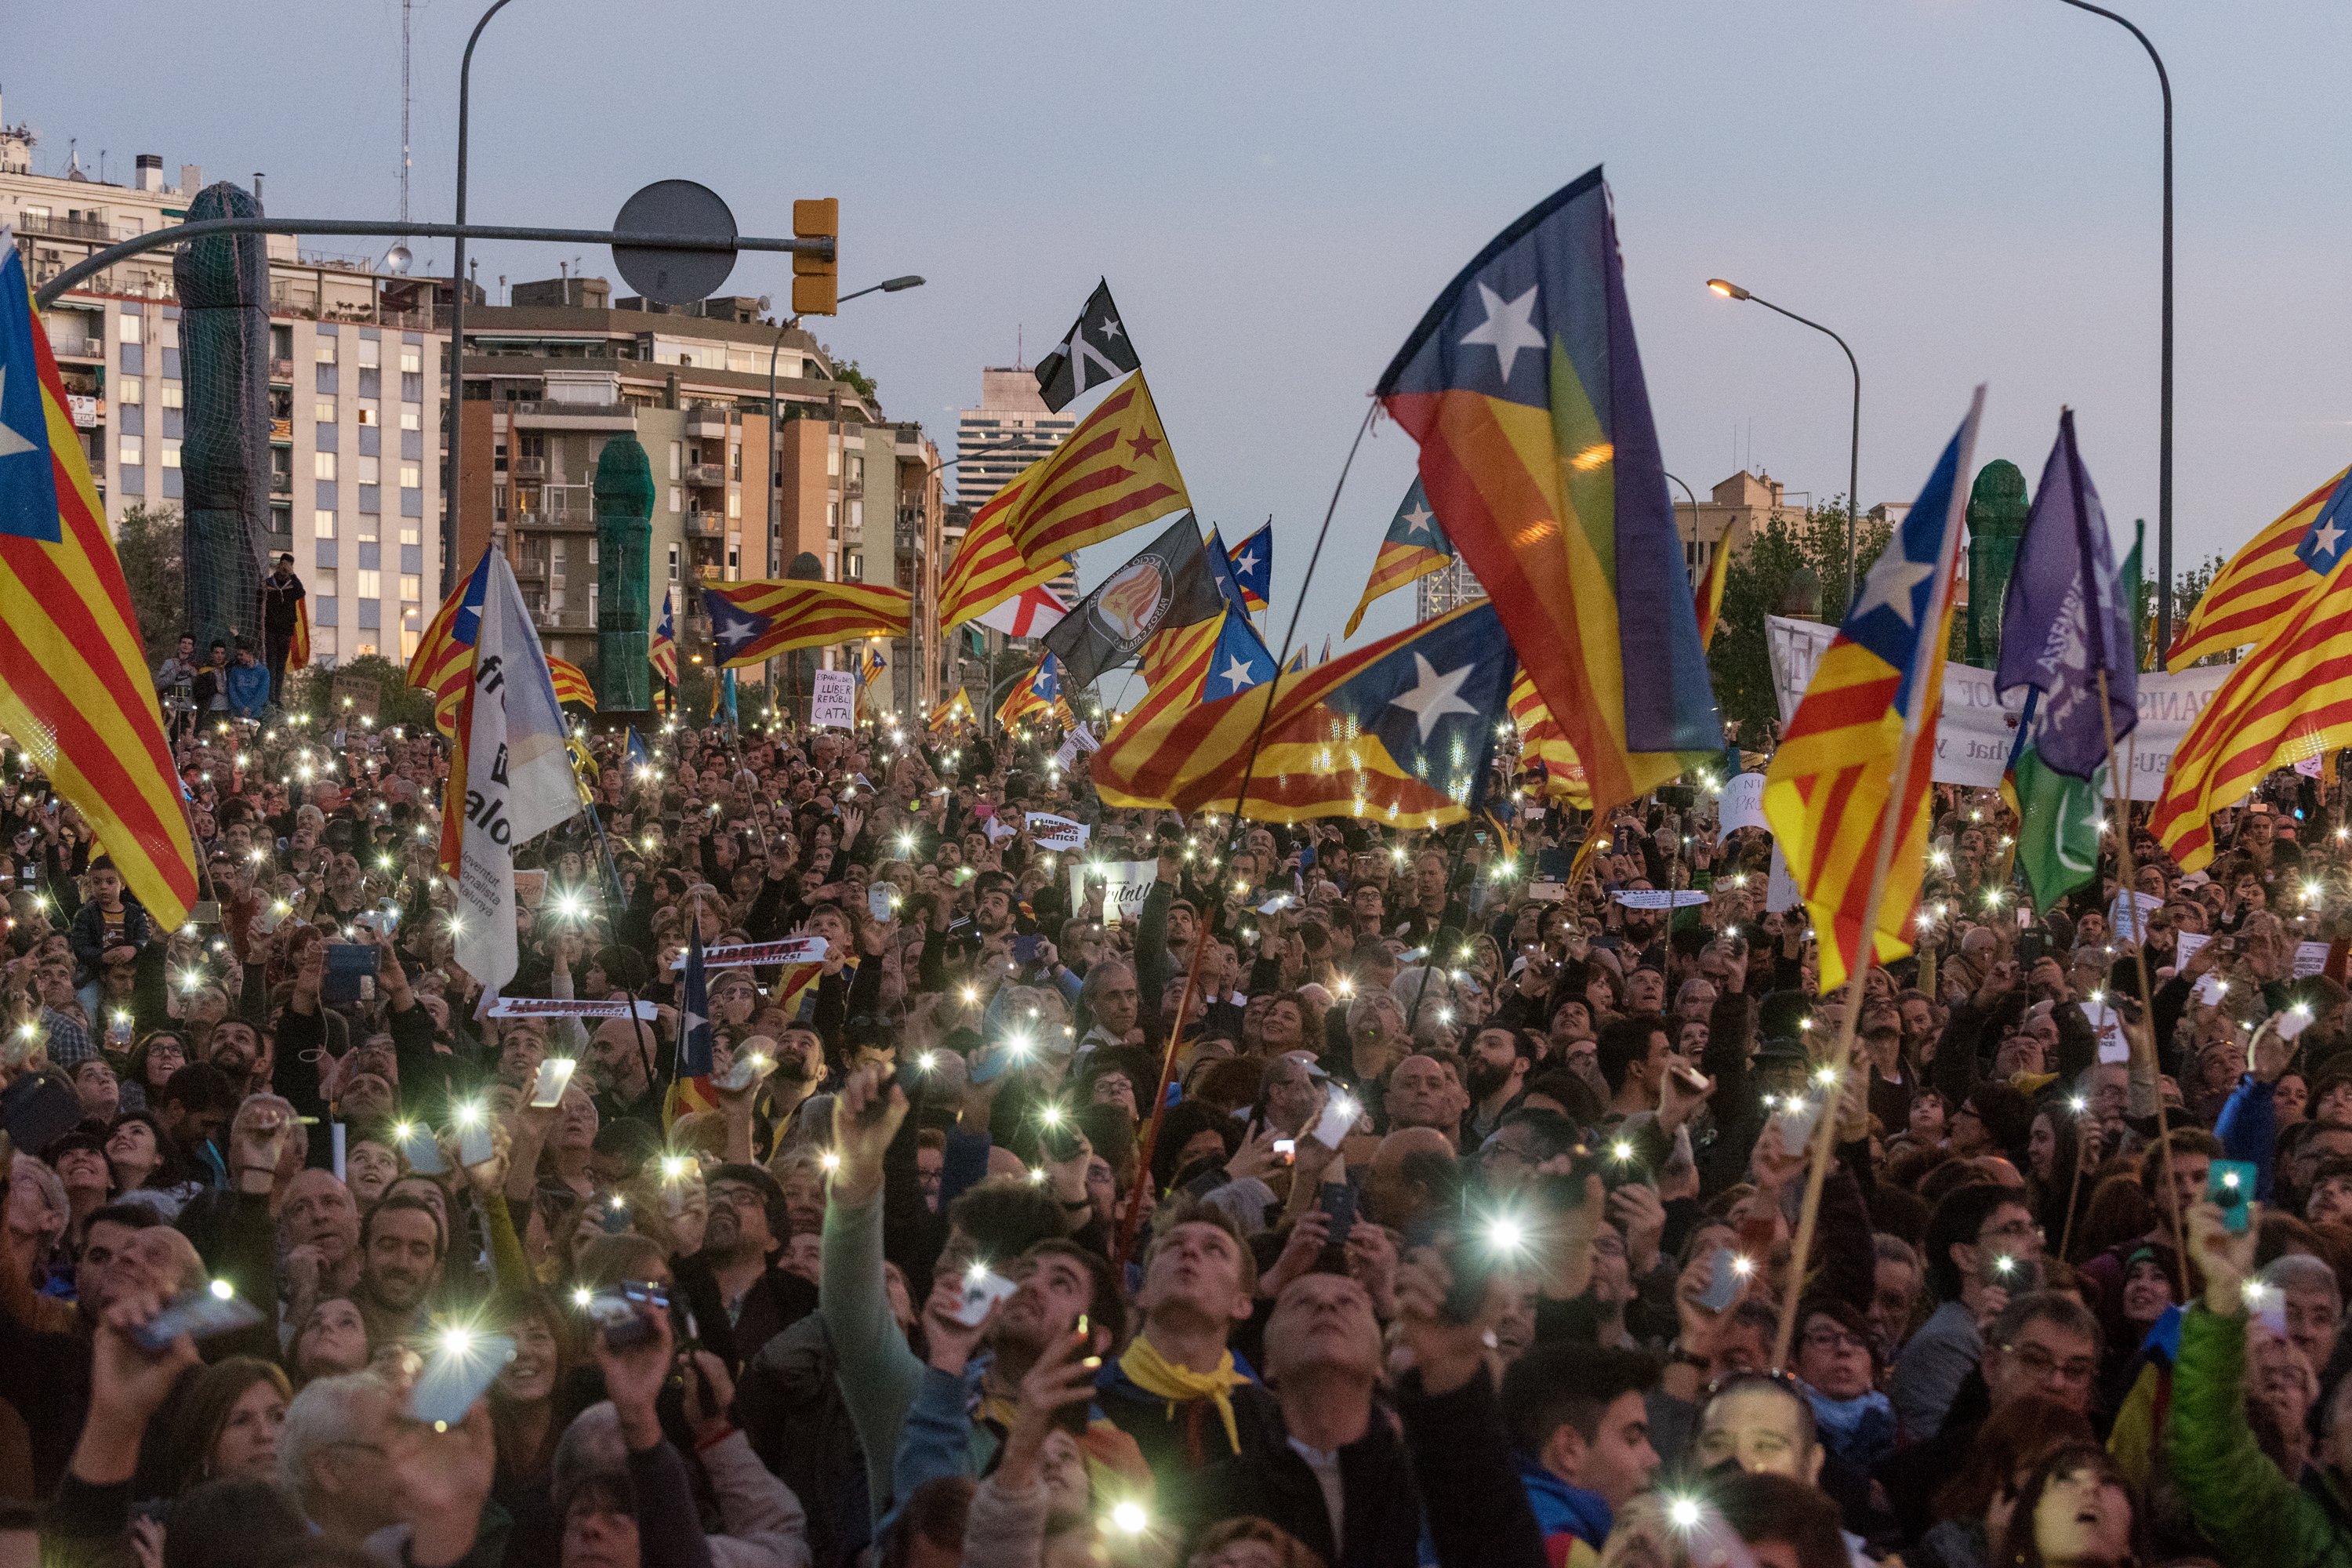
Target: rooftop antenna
404, 5
1017, 349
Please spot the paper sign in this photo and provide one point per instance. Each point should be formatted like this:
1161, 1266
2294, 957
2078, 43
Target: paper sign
1060, 833
2109, 1027
2185, 945
356, 696
569, 1007
2308, 768
833, 699
1783, 894
2124, 915
531, 887
2211, 989
1659, 897
997, 830
2310, 958
1126, 883
1068, 757
754, 954
1084, 739
1741, 804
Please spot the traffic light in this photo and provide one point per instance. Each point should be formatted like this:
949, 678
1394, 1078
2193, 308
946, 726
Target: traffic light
816, 279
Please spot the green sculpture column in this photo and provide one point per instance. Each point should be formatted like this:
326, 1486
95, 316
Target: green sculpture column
624, 535
1997, 510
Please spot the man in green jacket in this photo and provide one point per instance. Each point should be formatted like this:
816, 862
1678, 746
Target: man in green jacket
2251, 1512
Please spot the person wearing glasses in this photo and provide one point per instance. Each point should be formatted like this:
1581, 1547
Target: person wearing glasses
1981, 1240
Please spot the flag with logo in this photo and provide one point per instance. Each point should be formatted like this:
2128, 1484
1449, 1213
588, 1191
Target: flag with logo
75, 691
1096, 349
1868, 713
1414, 546
1114, 473
1253, 567
1167, 583
510, 776
1523, 385
1399, 731
750, 622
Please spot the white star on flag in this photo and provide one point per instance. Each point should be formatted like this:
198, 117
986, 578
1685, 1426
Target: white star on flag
1890, 583
734, 630
1247, 562
1417, 519
1237, 674
12, 442
1507, 329
2326, 538
1434, 696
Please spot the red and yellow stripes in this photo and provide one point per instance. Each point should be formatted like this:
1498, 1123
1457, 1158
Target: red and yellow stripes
2290, 700
1710, 591
1397, 565
814, 615
298, 651
987, 569
74, 686
1541, 738
571, 683
2258, 588
1023, 702
1117, 471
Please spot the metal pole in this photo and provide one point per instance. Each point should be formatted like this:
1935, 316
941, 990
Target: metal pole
1853, 446
451, 494
2164, 391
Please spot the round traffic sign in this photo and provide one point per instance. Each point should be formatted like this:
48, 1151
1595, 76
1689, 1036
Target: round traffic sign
664, 273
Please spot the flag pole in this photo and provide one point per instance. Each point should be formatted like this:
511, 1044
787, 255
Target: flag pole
1150, 1140
2121, 809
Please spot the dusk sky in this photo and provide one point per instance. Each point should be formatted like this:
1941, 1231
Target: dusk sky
1966, 189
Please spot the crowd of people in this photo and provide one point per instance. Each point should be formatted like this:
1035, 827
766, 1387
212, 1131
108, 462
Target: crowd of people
1363, 1197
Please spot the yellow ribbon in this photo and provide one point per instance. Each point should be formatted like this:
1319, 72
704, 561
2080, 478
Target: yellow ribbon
1155, 1374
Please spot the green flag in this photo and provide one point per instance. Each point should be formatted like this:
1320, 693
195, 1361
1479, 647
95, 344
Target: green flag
2058, 816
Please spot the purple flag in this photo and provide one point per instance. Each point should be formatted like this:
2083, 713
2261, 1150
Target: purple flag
2064, 618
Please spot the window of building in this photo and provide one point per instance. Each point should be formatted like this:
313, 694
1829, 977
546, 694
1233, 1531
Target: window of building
412, 475
409, 534
734, 502
371, 352
368, 524
832, 517
129, 328
322, 582
132, 452
676, 457
370, 470
412, 417
852, 566
325, 352
130, 389
409, 637
322, 465
370, 584
322, 642
833, 462
173, 395
364, 650
676, 500
322, 524
323, 411
411, 588
673, 564
368, 415
412, 358
734, 460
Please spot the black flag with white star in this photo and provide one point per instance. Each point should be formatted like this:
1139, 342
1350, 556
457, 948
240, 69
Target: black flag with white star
1096, 349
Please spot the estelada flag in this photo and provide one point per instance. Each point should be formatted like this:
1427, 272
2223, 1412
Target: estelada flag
2259, 587
1253, 563
1541, 738
663, 652
1399, 731
444, 653
1413, 547
1116, 472
1034, 693
1523, 385
571, 683
1868, 713
2288, 701
753, 621
987, 568
74, 686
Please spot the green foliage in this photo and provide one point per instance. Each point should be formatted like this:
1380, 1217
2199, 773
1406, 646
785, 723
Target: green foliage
147, 542
847, 372
1754, 587
2187, 587
397, 702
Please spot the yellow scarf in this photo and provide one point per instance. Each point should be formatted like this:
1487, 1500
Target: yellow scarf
1155, 1374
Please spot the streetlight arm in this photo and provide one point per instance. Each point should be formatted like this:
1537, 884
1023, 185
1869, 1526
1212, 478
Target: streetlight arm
1840, 342
2163, 80
1853, 445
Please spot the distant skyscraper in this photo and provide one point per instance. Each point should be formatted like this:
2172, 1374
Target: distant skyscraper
1443, 590
1014, 426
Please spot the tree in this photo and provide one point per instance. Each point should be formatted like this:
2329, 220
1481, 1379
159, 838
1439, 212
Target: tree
312, 692
147, 541
847, 372
1755, 586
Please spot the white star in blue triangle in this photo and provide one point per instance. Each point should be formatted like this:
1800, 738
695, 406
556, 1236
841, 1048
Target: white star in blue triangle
733, 629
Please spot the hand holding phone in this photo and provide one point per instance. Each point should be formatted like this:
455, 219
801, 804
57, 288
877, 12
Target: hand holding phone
554, 1078
982, 1289
2229, 1186
458, 1370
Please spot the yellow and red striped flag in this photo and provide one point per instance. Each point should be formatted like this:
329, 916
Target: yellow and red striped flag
74, 686
663, 653
987, 569
2259, 587
753, 621
956, 710
2287, 701
571, 683
1710, 591
1545, 742
1414, 546
1117, 471
1868, 714
298, 651
444, 653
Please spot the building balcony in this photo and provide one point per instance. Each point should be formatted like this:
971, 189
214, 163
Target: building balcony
66, 229
281, 432
705, 524
566, 620
709, 572
532, 568
529, 415
705, 475
70, 346
561, 521
281, 484
281, 370
704, 421
527, 467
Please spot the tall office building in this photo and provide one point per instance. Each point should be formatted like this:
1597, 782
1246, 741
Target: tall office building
1011, 430
1447, 589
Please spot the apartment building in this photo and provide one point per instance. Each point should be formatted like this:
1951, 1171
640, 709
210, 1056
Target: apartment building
354, 480
560, 368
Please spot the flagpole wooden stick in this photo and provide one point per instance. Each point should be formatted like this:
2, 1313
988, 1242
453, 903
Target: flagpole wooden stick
2120, 808
2073, 1191
1890, 829
1150, 1140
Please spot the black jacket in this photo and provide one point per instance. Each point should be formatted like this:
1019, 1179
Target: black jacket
1382, 1521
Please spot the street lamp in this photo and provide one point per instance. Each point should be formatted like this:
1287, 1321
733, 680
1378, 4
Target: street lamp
775, 468
2164, 391
1853, 446
449, 498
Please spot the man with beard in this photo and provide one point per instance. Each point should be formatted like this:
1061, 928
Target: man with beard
1496, 1077
1637, 940
739, 1297
618, 1050
401, 1248
798, 1114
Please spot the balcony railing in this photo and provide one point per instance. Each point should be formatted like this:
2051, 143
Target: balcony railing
705, 524
282, 370
67, 228
528, 467
705, 474
561, 518
566, 620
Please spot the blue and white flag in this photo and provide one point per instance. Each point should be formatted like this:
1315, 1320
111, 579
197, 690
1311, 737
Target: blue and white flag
1241, 659
2063, 620
694, 1052
1253, 564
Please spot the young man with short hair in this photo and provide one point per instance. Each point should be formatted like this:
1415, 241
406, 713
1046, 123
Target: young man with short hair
1580, 1436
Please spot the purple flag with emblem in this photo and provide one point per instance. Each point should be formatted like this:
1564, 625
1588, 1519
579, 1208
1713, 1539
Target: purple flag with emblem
2063, 621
